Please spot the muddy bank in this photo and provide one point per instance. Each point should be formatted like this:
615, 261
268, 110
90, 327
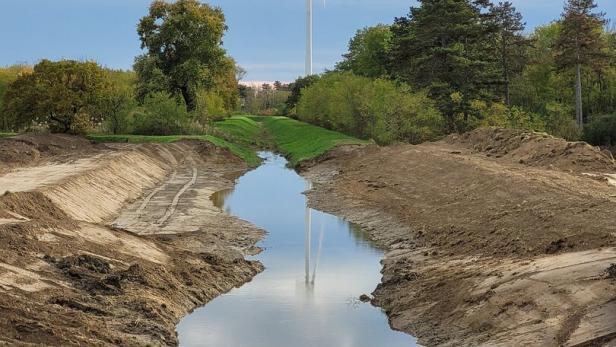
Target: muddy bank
113, 245
493, 240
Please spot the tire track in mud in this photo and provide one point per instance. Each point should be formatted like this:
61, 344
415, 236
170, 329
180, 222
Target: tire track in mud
171, 209
147, 199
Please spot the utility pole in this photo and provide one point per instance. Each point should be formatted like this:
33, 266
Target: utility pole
309, 70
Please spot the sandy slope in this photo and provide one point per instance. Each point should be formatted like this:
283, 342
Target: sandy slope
71, 275
498, 238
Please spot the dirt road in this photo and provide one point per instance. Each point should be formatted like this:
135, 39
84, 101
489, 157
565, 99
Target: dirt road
496, 238
107, 246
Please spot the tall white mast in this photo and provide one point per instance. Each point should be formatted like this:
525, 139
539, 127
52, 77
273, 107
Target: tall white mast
309, 70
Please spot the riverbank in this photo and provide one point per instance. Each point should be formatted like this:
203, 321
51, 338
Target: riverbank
496, 238
113, 244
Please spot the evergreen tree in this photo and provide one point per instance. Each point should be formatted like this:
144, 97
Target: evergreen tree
580, 44
443, 46
510, 43
368, 52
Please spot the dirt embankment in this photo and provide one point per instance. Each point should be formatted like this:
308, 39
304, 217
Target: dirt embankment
495, 238
73, 273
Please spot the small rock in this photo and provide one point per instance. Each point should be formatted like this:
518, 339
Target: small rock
364, 298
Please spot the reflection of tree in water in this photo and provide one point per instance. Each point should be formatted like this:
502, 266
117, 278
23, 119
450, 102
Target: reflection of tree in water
220, 197
360, 236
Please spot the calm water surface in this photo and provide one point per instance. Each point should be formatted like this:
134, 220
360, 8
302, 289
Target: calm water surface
307, 296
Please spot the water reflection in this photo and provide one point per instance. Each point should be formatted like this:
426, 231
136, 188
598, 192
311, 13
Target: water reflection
316, 267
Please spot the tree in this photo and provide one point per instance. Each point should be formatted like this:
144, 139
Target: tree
65, 95
368, 53
443, 46
184, 48
580, 44
296, 90
116, 105
509, 42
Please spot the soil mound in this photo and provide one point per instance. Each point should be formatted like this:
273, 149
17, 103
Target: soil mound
27, 148
536, 149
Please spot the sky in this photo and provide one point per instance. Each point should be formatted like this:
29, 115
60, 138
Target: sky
266, 37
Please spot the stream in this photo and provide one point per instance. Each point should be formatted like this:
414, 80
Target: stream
317, 266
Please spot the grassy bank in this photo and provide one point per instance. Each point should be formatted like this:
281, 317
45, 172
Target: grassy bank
7, 135
246, 153
244, 135
245, 130
301, 141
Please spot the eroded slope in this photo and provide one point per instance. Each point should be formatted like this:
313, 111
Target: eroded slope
508, 249
66, 278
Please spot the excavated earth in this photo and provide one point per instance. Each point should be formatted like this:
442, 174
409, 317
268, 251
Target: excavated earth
494, 238
105, 245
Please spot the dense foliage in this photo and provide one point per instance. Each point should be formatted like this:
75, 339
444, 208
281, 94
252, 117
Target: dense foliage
602, 131
184, 50
474, 62
64, 95
265, 100
370, 109
7, 76
184, 82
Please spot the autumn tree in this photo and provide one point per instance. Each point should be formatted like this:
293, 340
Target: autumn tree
183, 40
580, 44
66, 95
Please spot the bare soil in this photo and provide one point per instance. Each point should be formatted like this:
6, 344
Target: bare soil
113, 245
494, 238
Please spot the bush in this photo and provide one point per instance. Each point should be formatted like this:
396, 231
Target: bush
210, 107
379, 109
161, 115
559, 121
497, 115
601, 131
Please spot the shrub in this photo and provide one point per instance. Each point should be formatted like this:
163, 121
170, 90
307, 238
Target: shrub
497, 115
161, 115
210, 107
559, 121
601, 131
379, 109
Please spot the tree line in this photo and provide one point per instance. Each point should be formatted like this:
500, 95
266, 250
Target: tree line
477, 66
183, 80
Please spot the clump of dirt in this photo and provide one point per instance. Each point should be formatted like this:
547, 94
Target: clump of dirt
33, 205
28, 148
610, 272
536, 149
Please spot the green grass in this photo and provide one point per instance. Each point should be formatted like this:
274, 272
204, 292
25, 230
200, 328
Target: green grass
243, 135
243, 130
7, 135
300, 141
245, 153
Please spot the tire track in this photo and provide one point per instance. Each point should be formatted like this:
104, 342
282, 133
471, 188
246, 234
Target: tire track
147, 199
171, 210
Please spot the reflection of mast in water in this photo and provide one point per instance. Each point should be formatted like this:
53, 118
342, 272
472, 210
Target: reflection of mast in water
316, 263
308, 240
308, 245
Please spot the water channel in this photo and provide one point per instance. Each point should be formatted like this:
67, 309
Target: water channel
317, 265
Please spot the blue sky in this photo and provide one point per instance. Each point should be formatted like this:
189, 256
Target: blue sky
265, 36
